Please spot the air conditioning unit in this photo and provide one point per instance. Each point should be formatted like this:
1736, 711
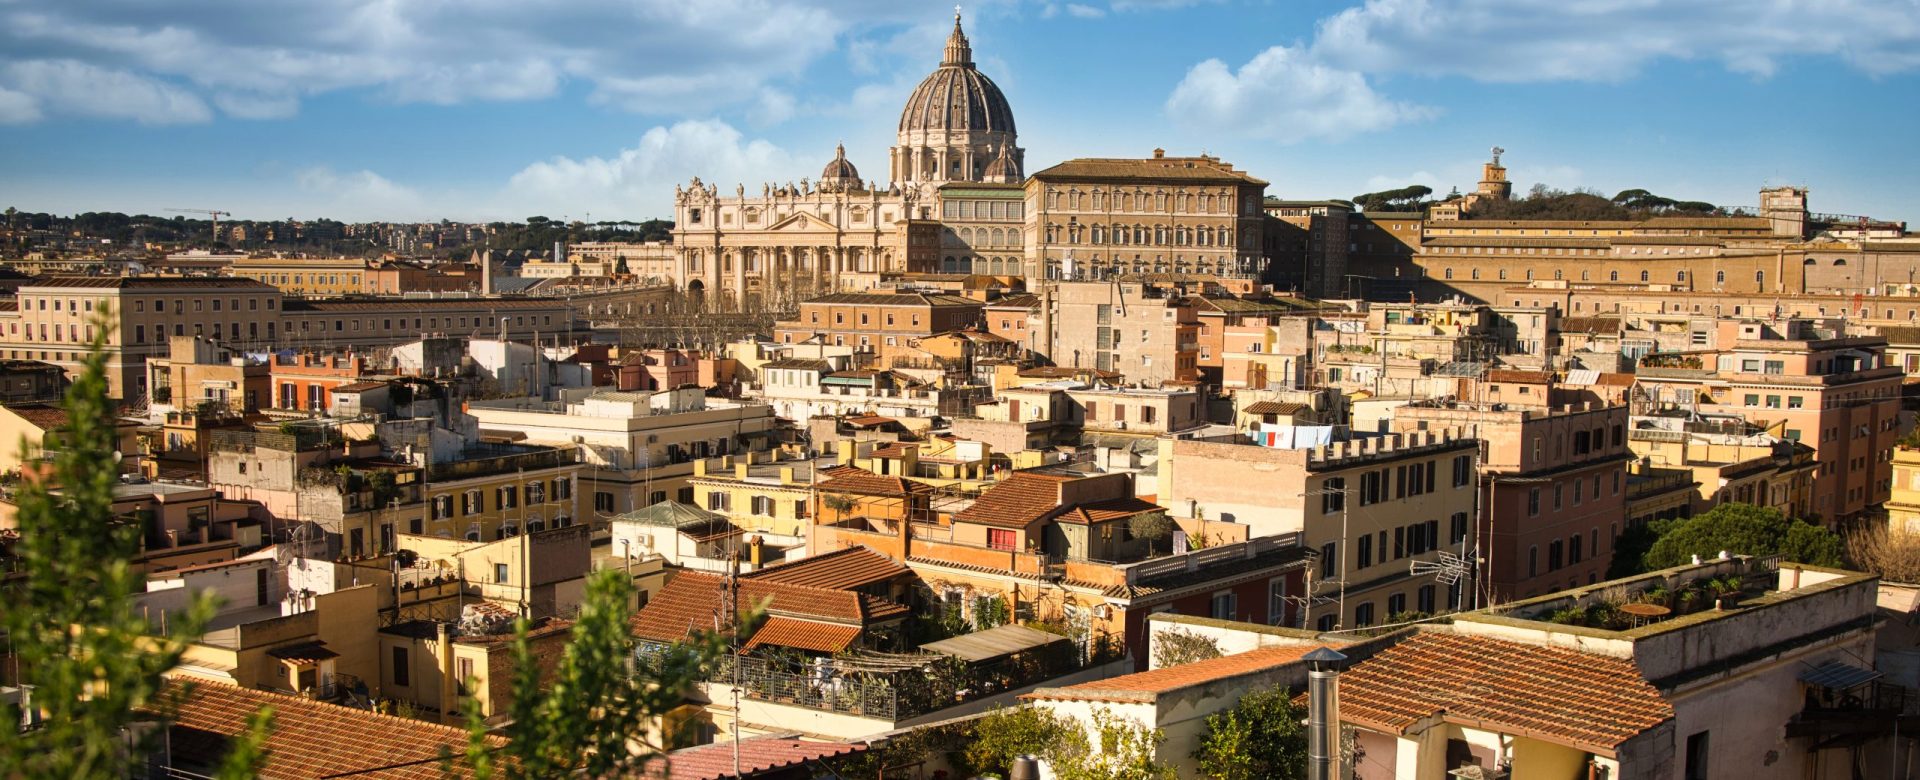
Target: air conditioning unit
1120, 425
1103, 611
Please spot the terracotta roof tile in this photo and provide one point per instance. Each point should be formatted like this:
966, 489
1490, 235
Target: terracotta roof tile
867, 483
46, 417
1273, 407
845, 569
803, 634
757, 755
1015, 502
1522, 377
1588, 701
690, 602
313, 738
1108, 510
1145, 686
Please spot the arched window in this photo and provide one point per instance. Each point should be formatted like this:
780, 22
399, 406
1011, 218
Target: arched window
1558, 274
1503, 273
1448, 273
1613, 276
1719, 277
1760, 278
1476, 273
1839, 261
1013, 236
1680, 276
1529, 274
1645, 277
1583, 276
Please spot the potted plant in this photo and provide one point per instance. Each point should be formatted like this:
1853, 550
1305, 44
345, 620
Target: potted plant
1726, 591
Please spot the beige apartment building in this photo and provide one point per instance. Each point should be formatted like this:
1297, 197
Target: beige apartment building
1093, 218
1803, 382
886, 324
54, 319
981, 228
1370, 508
1143, 327
318, 276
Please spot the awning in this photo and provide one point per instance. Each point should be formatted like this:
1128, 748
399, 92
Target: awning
993, 643
303, 653
803, 635
1838, 675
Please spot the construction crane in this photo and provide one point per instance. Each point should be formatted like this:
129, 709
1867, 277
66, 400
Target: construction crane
216, 214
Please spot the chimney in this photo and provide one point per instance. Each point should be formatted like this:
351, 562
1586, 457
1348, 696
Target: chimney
1323, 713
786, 475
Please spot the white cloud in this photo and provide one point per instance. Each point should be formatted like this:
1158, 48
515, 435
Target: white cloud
18, 108
82, 89
1282, 94
1613, 40
361, 195
1084, 11
243, 105
256, 60
641, 179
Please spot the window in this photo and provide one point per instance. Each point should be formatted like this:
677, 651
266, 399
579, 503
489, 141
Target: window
402, 670
1363, 615
1462, 470
1556, 555
1276, 601
1533, 561
603, 502
1327, 552
1333, 495
763, 506
1573, 549
1457, 531
499, 572
1533, 502
718, 501
1000, 538
1423, 600
1363, 552
1396, 604
1223, 605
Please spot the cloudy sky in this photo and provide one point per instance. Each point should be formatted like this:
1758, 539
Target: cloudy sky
491, 109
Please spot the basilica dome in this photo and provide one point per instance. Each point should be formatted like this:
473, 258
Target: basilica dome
840, 175
956, 97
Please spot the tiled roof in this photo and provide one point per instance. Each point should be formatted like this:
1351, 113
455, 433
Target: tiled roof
46, 417
1220, 574
1587, 701
805, 364
691, 600
1522, 377
757, 755
1589, 324
803, 635
1015, 502
1206, 169
845, 569
359, 387
1145, 686
864, 482
894, 299
894, 450
1027, 301
313, 738
1273, 407
868, 420
147, 282
1107, 511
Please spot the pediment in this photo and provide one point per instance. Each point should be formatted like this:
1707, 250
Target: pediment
802, 222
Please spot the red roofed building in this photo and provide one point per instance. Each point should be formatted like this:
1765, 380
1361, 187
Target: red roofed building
775, 757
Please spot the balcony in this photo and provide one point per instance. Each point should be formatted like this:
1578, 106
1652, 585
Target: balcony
499, 459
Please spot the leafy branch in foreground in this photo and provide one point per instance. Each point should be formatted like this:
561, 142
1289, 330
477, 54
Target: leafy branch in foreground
92, 662
594, 715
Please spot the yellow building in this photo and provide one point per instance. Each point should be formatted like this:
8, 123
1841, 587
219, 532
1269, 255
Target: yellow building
1903, 509
498, 491
326, 277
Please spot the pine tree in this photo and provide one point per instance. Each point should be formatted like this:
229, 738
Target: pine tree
92, 663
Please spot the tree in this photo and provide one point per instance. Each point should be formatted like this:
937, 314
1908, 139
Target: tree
1413, 198
1744, 529
1174, 647
1892, 552
1260, 737
1151, 526
1008, 733
93, 663
1125, 750
591, 718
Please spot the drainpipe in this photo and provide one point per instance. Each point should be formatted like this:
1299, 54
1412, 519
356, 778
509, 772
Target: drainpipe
1323, 713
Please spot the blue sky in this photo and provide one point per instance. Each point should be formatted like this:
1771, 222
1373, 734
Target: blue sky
491, 109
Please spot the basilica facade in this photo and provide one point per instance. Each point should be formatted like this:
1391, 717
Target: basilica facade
791, 241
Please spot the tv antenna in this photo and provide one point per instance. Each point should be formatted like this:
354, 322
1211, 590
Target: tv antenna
1448, 569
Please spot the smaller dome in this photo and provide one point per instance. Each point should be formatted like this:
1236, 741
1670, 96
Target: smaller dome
1003, 169
840, 175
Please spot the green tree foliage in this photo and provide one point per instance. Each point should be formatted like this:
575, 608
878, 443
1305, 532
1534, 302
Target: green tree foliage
1151, 526
1174, 647
94, 664
1412, 198
1007, 733
249, 753
590, 718
1125, 751
1743, 529
1261, 737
